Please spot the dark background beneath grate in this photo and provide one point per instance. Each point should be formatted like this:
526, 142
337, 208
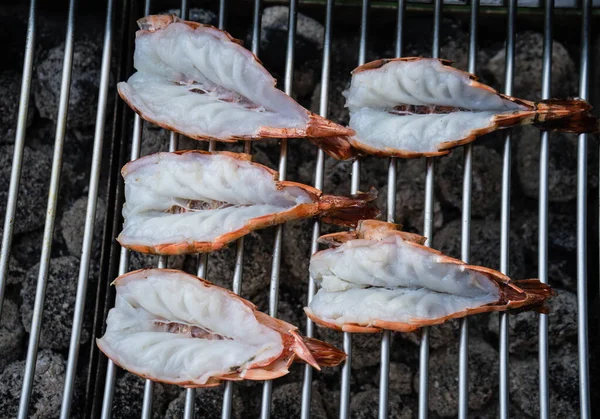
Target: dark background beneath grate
365, 370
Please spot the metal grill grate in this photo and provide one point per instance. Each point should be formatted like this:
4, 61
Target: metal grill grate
99, 399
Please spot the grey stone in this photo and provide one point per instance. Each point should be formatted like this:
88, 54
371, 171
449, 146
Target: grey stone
486, 187
156, 139
528, 67
400, 375
129, 395
276, 18
11, 333
286, 402
33, 191
47, 390
364, 406
10, 86
58, 305
562, 324
485, 245
73, 225
208, 404
196, 14
563, 380
562, 165
443, 377
85, 78
440, 335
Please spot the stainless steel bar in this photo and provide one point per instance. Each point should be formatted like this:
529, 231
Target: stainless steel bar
582, 306
88, 233
505, 211
384, 373
319, 176
354, 187
463, 351
239, 251
17, 161
222, 13
428, 233
40, 294
543, 215
111, 369
276, 263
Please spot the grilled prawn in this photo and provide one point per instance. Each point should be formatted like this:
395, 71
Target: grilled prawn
199, 81
412, 107
173, 327
378, 277
196, 201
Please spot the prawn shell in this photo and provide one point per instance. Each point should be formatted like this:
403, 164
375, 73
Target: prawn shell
513, 294
295, 349
317, 126
536, 113
334, 209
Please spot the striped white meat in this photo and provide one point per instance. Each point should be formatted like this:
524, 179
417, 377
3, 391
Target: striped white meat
197, 201
382, 278
198, 80
173, 327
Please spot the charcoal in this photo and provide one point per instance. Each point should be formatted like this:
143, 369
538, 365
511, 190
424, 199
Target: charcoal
85, 78
59, 303
11, 334
35, 180
73, 223
286, 402
10, 86
129, 396
208, 404
364, 405
486, 186
47, 390
443, 373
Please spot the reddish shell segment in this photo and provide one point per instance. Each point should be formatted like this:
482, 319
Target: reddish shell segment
569, 115
333, 209
296, 347
317, 126
514, 294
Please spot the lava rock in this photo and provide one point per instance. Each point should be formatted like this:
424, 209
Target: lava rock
562, 324
364, 405
11, 333
73, 224
85, 78
47, 390
410, 196
308, 46
10, 86
486, 185
196, 14
208, 404
256, 273
33, 191
145, 261
443, 377
563, 380
336, 107
59, 303
400, 377
485, 245
129, 396
286, 402
528, 67
156, 139
562, 165
440, 335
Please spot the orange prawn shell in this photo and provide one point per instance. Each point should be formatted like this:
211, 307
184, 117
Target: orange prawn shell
295, 348
316, 126
534, 113
322, 204
513, 294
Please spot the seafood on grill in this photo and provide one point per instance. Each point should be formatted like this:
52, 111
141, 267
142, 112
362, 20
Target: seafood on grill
199, 81
173, 327
412, 107
379, 277
197, 201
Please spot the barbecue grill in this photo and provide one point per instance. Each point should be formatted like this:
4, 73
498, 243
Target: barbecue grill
123, 139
